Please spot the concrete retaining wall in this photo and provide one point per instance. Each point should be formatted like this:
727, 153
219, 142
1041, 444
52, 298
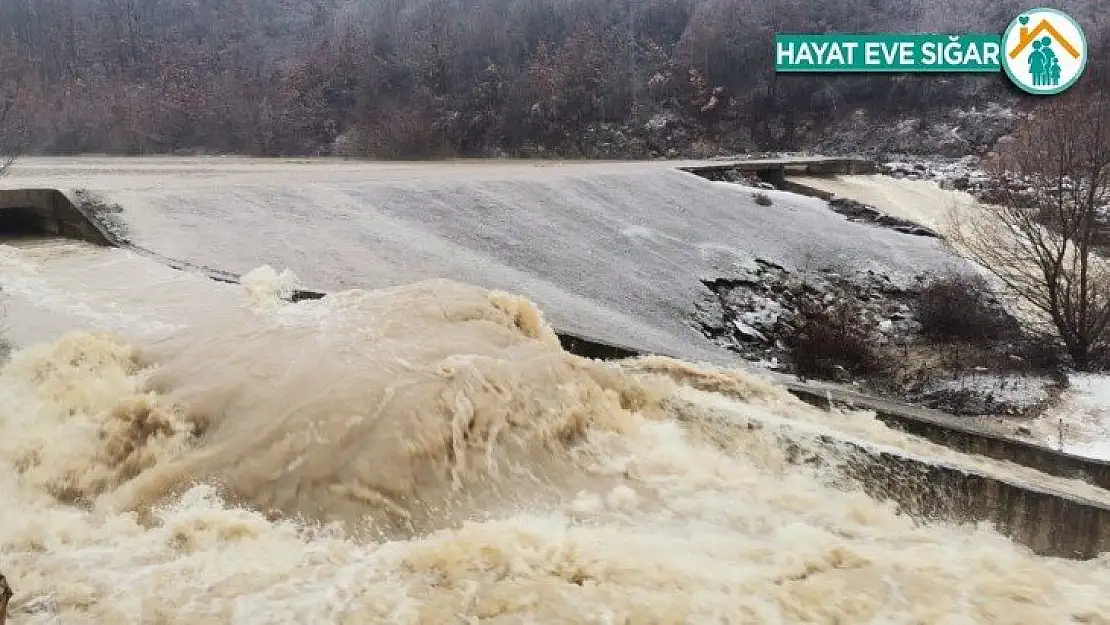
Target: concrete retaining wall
956, 433
847, 167
775, 171
1050, 524
801, 189
49, 212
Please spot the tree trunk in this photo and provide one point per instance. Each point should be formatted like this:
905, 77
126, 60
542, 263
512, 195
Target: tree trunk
5, 597
1078, 357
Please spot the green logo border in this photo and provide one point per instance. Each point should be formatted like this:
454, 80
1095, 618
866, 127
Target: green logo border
1055, 90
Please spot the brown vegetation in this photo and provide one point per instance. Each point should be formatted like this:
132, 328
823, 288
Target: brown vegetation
958, 308
12, 108
5, 597
833, 342
408, 79
1044, 245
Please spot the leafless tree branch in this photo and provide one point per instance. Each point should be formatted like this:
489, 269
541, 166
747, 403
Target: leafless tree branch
5, 597
9, 135
1046, 242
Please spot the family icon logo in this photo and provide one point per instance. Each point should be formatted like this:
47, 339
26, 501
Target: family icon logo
1045, 51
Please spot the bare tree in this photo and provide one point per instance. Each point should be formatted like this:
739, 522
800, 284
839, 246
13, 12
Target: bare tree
5, 597
9, 149
1045, 240
11, 127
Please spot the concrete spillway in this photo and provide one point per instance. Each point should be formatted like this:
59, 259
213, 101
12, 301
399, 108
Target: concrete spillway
613, 253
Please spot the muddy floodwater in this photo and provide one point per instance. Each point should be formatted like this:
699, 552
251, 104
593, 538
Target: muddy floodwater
177, 450
417, 448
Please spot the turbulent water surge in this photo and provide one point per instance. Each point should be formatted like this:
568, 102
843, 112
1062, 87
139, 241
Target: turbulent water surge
178, 451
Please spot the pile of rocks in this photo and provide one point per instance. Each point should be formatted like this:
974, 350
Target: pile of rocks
951, 132
858, 211
985, 393
962, 174
752, 310
755, 311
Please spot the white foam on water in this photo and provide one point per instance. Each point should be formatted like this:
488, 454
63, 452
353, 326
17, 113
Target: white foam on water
428, 454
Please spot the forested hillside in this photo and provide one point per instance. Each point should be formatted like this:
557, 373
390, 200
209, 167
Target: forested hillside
428, 78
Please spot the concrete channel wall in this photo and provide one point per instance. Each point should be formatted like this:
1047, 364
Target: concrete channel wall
801, 189
776, 171
956, 433
49, 212
1051, 524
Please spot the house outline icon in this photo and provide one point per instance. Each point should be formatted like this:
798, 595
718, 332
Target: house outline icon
1026, 37
1038, 24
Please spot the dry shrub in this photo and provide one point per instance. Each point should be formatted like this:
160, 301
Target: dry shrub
959, 308
833, 342
1039, 352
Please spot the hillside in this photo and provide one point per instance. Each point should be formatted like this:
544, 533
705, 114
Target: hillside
397, 79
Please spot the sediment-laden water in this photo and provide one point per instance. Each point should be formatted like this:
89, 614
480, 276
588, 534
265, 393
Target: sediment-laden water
180, 451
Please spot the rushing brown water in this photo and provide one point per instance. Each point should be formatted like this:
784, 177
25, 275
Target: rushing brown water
177, 451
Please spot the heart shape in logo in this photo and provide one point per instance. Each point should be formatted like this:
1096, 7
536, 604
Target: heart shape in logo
1024, 19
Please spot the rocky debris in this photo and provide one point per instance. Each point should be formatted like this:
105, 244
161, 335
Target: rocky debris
750, 311
757, 310
612, 141
665, 134
963, 174
951, 133
860, 212
993, 394
108, 214
735, 176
